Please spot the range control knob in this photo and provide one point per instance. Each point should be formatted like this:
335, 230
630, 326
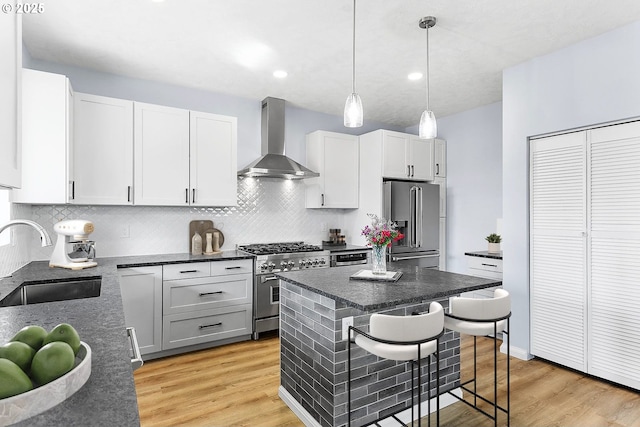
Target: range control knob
271, 266
302, 263
315, 262
322, 261
291, 264
283, 264
263, 266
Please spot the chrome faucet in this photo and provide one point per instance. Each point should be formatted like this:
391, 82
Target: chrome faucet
46, 240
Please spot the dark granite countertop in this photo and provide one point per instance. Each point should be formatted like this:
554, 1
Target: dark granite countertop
416, 284
109, 397
485, 254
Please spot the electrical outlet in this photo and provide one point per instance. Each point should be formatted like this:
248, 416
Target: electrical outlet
124, 231
346, 322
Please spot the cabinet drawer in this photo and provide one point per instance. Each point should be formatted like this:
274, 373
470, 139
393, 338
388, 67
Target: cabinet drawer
186, 295
239, 266
487, 264
184, 329
186, 270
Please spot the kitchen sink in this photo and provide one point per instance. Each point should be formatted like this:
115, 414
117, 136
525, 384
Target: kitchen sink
39, 292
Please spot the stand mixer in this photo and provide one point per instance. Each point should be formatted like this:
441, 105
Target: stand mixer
75, 232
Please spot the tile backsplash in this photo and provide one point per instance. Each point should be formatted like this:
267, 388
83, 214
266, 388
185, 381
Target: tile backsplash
269, 209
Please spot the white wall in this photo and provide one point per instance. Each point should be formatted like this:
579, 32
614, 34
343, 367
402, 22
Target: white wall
591, 82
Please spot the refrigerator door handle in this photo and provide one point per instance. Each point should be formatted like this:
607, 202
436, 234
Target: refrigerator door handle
403, 258
419, 217
412, 217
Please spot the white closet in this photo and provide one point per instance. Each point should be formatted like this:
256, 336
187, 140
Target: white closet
585, 251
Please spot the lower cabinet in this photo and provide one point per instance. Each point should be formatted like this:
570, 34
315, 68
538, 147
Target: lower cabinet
141, 289
197, 327
489, 268
180, 305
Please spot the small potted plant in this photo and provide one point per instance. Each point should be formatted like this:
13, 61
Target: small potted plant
494, 242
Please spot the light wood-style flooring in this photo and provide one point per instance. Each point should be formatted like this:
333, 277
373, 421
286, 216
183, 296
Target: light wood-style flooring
237, 385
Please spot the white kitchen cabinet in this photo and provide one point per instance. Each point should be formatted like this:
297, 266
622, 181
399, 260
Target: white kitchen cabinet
10, 100
440, 158
406, 156
335, 157
442, 183
141, 289
184, 158
443, 245
585, 247
161, 153
47, 106
213, 153
206, 301
102, 151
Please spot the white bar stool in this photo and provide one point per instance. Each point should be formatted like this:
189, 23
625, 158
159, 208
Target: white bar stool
403, 338
482, 317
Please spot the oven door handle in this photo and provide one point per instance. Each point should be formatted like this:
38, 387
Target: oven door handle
267, 279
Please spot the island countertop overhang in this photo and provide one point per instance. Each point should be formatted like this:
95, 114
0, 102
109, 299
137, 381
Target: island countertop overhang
416, 284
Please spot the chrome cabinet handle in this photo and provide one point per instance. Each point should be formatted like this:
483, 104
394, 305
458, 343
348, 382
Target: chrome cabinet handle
128, 193
193, 195
137, 361
412, 171
437, 168
408, 170
186, 195
73, 190
204, 294
233, 268
322, 204
188, 271
490, 265
210, 326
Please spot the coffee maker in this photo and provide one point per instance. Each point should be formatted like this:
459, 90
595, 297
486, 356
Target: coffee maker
73, 249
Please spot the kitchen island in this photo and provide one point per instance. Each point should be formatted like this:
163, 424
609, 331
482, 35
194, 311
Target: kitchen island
108, 398
314, 357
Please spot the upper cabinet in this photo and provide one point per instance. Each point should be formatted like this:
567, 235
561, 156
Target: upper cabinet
47, 101
335, 157
10, 101
406, 156
184, 158
102, 156
440, 161
213, 151
161, 155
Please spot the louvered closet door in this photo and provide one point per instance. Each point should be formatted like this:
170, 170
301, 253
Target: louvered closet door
558, 249
614, 270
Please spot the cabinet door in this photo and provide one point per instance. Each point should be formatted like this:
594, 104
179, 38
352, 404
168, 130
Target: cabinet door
421, 158
213, 152
335, 157
161, 147
558, 250
395, 155
141, 289
46, 115
440, 161
102, 151
443, 195
185, 295
10, 100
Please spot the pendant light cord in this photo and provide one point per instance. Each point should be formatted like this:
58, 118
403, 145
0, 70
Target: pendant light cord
427, 77
353, 68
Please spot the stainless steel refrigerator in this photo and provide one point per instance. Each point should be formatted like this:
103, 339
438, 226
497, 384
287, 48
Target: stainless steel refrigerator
415, 207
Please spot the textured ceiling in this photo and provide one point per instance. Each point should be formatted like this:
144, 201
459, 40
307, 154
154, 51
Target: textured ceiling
233, 46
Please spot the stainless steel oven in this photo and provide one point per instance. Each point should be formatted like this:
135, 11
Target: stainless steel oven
272, 258
355, 257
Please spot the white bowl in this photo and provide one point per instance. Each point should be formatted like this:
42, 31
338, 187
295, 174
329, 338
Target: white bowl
33, 402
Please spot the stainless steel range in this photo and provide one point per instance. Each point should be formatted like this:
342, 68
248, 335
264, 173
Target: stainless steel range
273, 258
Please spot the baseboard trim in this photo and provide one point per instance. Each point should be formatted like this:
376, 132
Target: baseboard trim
517, 352
404, 416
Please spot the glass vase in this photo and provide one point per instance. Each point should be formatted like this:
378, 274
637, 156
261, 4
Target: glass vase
379, 259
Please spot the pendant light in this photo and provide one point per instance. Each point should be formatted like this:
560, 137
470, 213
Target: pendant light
428, 127
353, 107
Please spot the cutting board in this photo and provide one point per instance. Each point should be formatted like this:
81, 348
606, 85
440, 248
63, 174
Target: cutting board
203, 226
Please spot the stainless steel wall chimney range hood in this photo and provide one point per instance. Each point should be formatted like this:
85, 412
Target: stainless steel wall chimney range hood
273, 163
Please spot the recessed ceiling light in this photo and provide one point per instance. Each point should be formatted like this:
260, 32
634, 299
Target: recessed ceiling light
281, 74
415, 76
